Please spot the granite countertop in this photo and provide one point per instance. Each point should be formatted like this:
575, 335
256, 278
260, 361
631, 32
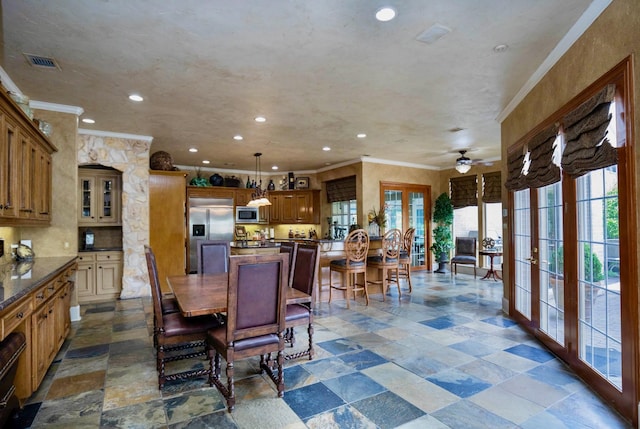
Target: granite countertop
17, 279
101, 249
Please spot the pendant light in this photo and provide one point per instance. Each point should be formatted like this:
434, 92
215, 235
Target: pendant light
259, 195
463, 164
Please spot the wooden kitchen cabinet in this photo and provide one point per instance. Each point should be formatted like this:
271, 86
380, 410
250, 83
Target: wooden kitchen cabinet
100, 197
301, 206
25, 169
99, 276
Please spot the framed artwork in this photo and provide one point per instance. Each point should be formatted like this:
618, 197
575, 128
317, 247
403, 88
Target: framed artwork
302, 183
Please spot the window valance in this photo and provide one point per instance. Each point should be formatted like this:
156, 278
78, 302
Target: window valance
492, 187
587, 146
464, 191
343, 189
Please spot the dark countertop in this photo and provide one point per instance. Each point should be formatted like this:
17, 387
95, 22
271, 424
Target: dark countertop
101, 249
17, 279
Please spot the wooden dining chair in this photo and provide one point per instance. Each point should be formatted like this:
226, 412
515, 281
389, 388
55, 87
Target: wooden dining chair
256, 306
387, 262
175, 337
213, 256
404, 260
305, 273
356, 247
290, 248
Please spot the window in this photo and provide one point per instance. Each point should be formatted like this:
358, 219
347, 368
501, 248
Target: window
343, 215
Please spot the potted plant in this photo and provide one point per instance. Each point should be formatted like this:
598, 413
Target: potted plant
442, 242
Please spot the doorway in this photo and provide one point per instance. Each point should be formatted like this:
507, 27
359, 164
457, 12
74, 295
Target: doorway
409, 206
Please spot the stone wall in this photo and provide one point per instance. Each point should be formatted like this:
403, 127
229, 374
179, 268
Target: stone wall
131, 157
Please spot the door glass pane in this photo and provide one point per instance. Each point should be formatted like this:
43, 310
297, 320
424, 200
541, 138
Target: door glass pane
393, 201
599, 273
522, 252
416, 220
550, 243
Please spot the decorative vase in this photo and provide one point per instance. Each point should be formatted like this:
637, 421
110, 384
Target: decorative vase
442, 263
374, 230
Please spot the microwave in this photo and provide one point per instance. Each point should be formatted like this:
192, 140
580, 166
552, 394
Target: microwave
247, 215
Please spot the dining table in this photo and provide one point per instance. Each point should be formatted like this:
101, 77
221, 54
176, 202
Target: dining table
202, 294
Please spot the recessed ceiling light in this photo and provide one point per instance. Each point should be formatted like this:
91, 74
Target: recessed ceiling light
135, 97
193, 149
88, 121
206, 161
385, 14
361, 135
274, 167
261, 119
237, 137
326, 148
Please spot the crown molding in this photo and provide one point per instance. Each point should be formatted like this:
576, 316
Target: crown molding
98, 133
53, 107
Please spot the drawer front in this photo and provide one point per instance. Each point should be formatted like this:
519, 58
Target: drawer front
16, 316
87, 257
109, 257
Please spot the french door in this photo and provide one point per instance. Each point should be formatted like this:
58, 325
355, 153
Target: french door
409, 206
569, 279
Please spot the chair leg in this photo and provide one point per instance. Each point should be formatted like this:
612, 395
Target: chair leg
330, 284
409, 277
310, 331
280, 383
160, 366
231, 398
397, 271
366, 290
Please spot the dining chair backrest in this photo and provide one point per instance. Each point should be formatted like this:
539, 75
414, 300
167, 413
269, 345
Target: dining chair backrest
256, 298
391, 245
466, 246
290, 248
356, 246
213, 256
305, 270
407, 240
156, 293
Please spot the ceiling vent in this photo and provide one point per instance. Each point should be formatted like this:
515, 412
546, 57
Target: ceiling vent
433, 34
42, 62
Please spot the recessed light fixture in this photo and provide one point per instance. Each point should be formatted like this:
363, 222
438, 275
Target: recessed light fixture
500, 48
385, 14
135, 97
274, 167
88, 121
237, 137
206, 161
361, 135
326, 148
260, 119
193, 149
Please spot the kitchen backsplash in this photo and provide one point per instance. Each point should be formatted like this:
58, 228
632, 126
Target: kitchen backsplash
106, 237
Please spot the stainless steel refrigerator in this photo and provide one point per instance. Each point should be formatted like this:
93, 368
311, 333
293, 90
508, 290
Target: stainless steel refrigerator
209, 219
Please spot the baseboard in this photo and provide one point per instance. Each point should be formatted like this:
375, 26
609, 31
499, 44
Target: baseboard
75, 313
505, 305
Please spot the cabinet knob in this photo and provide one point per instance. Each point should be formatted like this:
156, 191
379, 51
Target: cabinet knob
20, 315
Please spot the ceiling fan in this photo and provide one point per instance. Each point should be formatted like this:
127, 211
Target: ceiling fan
463, 164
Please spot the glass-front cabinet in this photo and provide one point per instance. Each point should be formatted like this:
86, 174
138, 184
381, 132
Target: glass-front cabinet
100, 197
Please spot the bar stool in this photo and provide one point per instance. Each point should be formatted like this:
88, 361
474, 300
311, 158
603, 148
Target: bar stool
404, 261
387, 262
356, 247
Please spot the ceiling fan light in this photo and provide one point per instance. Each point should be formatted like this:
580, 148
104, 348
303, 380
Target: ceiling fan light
463, 168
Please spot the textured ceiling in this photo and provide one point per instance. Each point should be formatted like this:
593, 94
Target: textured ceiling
320, 71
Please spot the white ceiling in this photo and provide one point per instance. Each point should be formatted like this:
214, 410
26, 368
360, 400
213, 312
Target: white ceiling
320, 71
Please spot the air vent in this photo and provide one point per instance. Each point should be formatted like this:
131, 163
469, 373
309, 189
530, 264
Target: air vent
433, 34
42, 62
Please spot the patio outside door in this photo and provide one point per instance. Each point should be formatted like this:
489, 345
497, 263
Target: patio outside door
409, 206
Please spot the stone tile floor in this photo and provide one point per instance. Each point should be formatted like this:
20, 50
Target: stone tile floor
443, 356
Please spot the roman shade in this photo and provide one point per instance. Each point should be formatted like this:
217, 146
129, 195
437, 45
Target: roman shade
515, 178
587, 147
492, 187
464, 191
343, 189
542, 171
